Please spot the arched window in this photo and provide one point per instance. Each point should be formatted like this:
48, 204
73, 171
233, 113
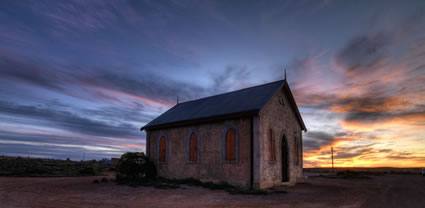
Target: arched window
230, 145
193, 147
272, 147
162, 149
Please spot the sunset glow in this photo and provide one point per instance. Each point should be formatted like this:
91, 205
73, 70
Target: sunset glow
81, 77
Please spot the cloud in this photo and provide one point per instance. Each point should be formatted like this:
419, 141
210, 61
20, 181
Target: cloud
116, 114
51, 150
38, 140
147, 85
369, 117
122, 101
368, 90
369, 100
363, 53
233, 78
86, 16
102, 84
315, 139
69, 121
375, 96
31, 72
318, 140
352, 152
403, 156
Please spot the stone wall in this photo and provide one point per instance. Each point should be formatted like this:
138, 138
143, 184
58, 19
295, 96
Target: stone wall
211, 165
279, 116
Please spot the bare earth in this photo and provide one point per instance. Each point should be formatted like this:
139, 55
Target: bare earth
381, 191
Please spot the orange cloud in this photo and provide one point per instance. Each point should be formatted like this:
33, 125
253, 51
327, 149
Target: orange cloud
120, 94
408, 121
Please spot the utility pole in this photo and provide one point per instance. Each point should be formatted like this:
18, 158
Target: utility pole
332, 151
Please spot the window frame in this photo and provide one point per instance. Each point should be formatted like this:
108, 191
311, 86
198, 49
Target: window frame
162, 134
226, 129
193, 131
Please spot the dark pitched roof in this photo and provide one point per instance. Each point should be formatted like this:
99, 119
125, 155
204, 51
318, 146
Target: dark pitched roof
248, 101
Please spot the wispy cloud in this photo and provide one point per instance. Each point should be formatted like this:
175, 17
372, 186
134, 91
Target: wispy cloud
90, 73
379, 95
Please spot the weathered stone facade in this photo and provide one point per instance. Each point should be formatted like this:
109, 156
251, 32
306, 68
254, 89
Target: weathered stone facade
249, 170
278, 116
211, 166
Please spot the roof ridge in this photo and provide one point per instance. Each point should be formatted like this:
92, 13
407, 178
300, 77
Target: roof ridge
232, 91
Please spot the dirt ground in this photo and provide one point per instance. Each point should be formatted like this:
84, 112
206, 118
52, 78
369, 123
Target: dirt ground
381, 191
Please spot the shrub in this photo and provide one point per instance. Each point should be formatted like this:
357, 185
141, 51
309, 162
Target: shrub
135, 166
87, 171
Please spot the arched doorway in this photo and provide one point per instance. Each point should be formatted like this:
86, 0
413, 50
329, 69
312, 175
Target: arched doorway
285, 159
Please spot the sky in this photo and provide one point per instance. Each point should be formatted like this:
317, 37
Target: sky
79, 78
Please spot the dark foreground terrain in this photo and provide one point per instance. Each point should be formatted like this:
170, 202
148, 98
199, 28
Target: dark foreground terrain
390, 190
25, 166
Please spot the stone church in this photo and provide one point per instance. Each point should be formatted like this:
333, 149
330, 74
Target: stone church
249, 138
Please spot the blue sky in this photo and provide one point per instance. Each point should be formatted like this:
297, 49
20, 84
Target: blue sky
84, 76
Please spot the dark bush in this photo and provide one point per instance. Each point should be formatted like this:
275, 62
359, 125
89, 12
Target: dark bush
87, 171
104, 180
135, 166
150, 170
35, 171
95, 181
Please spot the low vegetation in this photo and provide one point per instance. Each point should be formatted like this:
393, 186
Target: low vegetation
135, 166
24, 166
164, 183
366, 171
134, 169
359, 173
346, 175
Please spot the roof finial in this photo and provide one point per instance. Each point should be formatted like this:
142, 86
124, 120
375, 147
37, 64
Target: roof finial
285, 74
177, 99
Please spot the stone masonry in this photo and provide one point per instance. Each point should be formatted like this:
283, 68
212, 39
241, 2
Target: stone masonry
277, 115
